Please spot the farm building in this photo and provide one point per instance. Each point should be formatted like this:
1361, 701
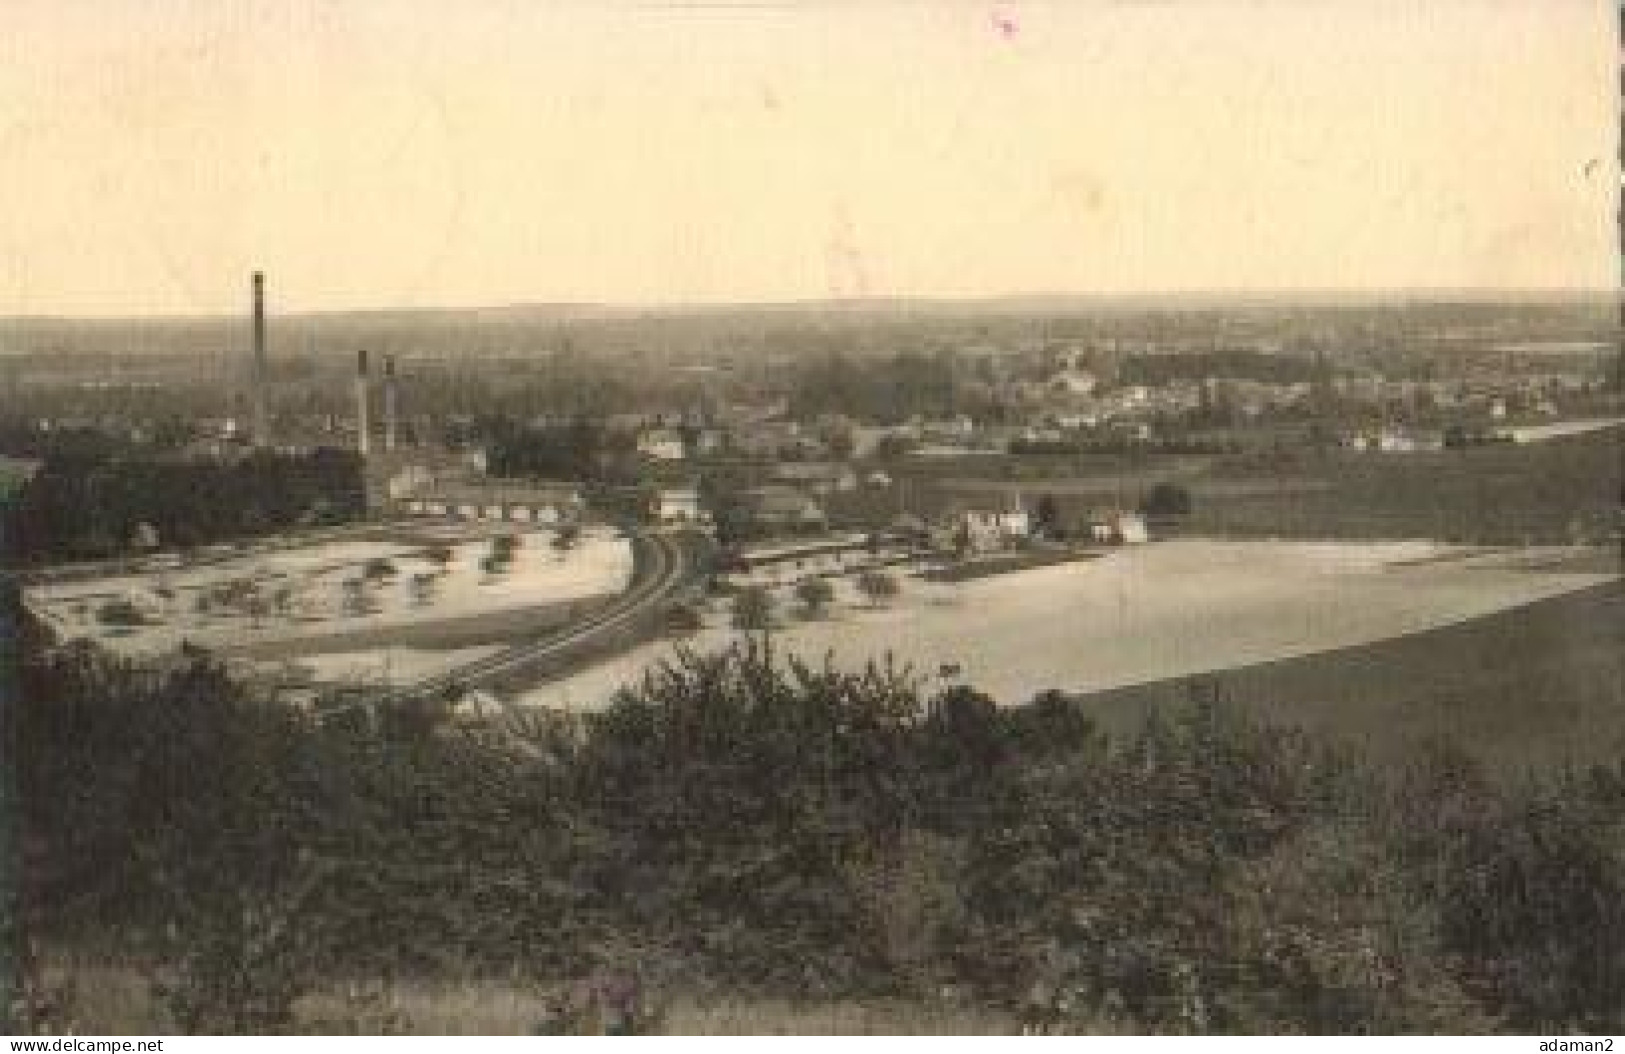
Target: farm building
662, 444
778, 507
1115, 527
1394, 441
395, 478
987, 530
679, 505
819, 477
499, 500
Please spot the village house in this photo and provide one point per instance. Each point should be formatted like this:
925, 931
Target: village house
768, 440
662, 444
817, 477
1390, 440
676, 505
1117, 527
1072, 381
947, 431
395, 478
989, 530
705, 441
780, 508
501, 500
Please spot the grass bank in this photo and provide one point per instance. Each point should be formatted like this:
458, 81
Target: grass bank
1529, 687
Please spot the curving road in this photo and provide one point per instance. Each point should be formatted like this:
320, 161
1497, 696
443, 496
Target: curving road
670, 564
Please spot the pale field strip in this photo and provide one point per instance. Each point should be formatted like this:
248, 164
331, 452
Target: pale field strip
1559, 429
599, 565
391, 666
765, 552
1140, 614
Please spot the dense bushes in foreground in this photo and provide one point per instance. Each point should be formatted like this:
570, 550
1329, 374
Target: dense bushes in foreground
767, 825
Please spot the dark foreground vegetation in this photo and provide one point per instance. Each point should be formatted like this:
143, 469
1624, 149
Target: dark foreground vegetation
772, 829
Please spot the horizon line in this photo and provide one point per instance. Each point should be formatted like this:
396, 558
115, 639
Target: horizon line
944, 300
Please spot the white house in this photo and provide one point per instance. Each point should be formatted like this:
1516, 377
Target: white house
661, 444
678, 505
1131, 529
986, 530
1119, 528
1073, 382
819, 477
511, 500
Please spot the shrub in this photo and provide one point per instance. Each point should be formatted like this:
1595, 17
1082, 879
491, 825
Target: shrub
567, 537
684, 620
815, 595
1167, 499
423, 586
773, 824
753, 608
1531, 895
353, 593
740, 790
878, 586
120, 612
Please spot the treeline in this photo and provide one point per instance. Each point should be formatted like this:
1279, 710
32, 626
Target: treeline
1237, 363
775, 827
884, 390
1121, 443
89, 501
579, 451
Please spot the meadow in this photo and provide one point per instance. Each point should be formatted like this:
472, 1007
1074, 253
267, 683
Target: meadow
1141, 614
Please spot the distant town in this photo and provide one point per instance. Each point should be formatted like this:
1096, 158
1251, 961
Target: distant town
526, 637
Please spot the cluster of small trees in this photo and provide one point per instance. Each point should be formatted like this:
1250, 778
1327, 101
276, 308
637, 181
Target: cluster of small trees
249, 596
753, 606
500, 556
583, 451
120, 612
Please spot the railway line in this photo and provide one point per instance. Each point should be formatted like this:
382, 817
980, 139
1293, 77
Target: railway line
669, 563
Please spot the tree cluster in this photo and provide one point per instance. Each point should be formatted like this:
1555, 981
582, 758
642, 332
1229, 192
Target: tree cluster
87, 504
580, 451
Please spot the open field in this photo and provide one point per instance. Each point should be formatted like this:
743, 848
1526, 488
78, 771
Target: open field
1558, 429
1563, 480
116, 1000
1148, 613
321, 597
1528, 688
1545, 492
391, 665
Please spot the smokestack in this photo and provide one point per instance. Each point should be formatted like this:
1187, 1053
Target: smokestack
257, 368
390, 398
363, 425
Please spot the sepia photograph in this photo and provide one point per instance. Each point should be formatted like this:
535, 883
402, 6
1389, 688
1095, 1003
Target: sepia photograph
808, 517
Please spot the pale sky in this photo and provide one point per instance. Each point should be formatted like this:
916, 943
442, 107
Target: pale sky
399, 153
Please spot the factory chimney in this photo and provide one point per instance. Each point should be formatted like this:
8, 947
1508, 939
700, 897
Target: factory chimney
363, 425
390, 400
257, 378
